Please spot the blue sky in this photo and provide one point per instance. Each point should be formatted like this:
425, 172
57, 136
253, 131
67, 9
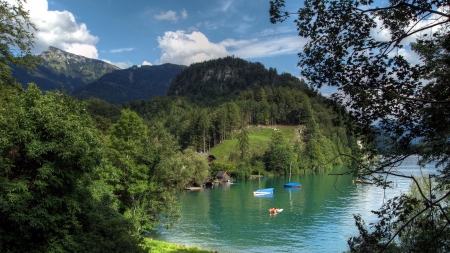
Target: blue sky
138, 32
152, 32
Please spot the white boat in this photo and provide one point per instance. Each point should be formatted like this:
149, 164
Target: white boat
265, 191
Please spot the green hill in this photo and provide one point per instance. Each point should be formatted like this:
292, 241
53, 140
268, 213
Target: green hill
230, 107
221, 80
259, 139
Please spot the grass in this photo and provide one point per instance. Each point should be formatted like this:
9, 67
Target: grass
163, 247
259, 139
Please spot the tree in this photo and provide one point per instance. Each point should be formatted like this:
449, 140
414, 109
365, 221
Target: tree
243, 142
15, 40
187, 167
279, 156
48, 145
48, 151
138, 168
378, 85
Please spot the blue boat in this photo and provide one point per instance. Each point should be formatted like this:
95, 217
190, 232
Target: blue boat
292, 185
260, 192
265, 196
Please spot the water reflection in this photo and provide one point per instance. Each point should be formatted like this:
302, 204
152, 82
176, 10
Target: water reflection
316, 218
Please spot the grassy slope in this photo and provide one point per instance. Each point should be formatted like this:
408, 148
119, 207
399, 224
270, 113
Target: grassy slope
163, 247
259, 138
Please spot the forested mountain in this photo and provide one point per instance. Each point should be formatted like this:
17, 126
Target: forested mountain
214, 101
221, 79
62, 69
135, 83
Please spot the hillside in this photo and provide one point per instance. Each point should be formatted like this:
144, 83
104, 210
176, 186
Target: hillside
259, 140
210, 105
135, 83
62, 69
223, 79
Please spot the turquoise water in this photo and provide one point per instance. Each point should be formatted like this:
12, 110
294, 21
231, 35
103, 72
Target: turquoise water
316, 218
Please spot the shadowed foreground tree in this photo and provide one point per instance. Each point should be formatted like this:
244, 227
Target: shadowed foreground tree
408, 101
47, 150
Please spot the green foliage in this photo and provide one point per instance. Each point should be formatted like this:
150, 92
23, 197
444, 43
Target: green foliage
279, 157
182, 169
224, 166
214, 82
132, 160
15, 40
243, 143
380, 86
48, 146
165, 247
408, 222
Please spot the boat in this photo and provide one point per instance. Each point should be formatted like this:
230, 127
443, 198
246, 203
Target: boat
275, 210
265, 196
265, 191
291, 184
193, 188
364, 180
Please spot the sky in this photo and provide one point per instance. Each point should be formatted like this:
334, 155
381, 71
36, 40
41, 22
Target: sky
153, 32
143, 32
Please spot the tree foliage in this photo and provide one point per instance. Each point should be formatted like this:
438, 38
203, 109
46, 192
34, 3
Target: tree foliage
135, 167
15, 39
243, 143
379, 85
48, 148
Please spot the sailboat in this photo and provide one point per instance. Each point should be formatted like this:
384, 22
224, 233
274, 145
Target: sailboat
291, 184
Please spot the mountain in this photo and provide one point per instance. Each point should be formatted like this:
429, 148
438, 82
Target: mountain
135, 83
62, 69
220, 79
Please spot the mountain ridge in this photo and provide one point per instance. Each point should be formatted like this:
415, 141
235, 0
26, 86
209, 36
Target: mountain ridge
134, 83
63, 70
84, 77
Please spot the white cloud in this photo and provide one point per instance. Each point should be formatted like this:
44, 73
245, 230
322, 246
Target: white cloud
384, 34
120, 50
279, 30
181, 48
122, 64
270, 47
60, 29
146, 63
226, 6
171, 16
184, 14
237, 43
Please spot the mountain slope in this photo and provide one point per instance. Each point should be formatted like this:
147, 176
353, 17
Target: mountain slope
62, 69
225, 77
135, 83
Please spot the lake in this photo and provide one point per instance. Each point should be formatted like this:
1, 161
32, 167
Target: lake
316, 218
